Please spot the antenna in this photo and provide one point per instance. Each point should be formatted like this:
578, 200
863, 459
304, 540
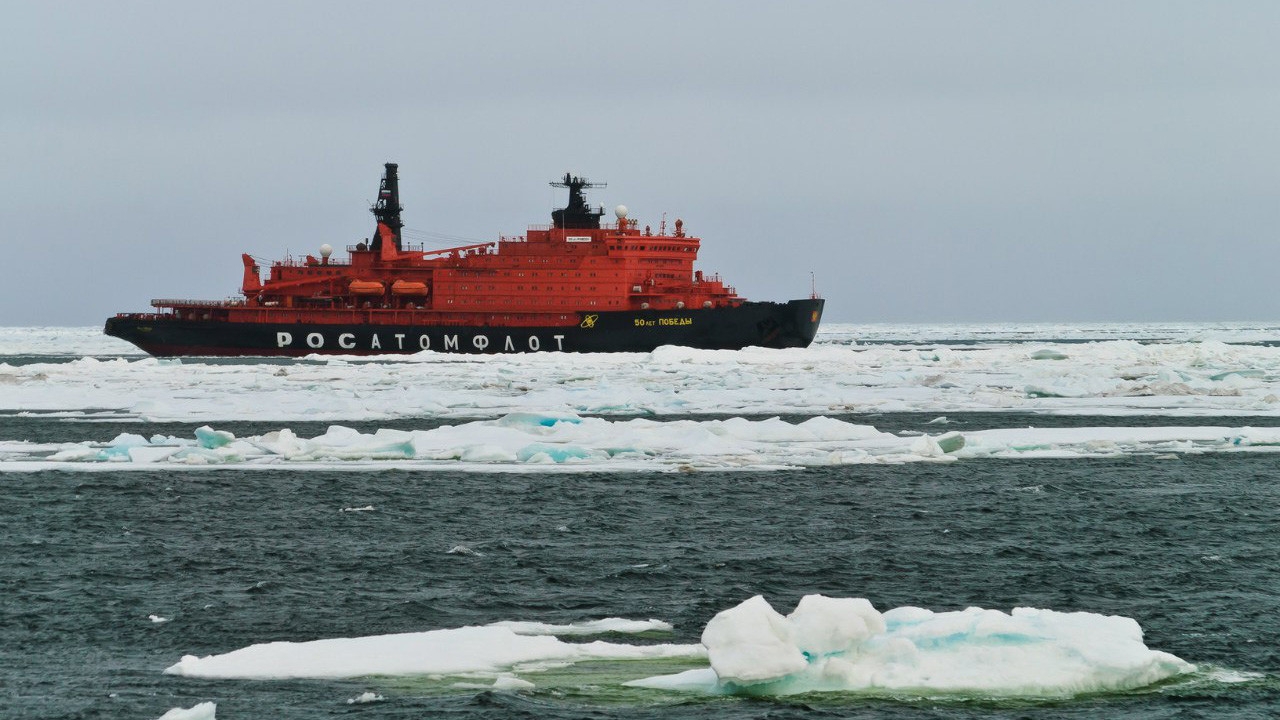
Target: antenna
570, 181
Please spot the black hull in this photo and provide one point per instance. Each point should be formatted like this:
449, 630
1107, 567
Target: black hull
763, 324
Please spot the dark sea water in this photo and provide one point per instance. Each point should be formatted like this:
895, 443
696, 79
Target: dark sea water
1188, 547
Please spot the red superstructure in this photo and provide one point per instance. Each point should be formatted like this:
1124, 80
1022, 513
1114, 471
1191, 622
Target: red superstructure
550, 276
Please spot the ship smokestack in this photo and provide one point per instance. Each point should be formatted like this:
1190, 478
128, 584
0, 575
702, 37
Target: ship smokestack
387, 209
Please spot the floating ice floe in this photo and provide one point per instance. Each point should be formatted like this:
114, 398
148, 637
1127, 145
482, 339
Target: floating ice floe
1180, 377
201, 711
825, 644
468, 651
845, 644
566, 442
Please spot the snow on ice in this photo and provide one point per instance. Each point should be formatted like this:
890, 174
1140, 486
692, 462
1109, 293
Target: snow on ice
825, 644
561, 441
845, 644
492, 650
201, 711
1188, 372
573, 411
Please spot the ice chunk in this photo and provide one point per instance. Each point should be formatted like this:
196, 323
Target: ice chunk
150, 454
751, 643
845, 645
202, 711
486, 454
928, 447
209, 438
119, 448
825, 626
78, 452
950, 442
1245, 373
281, 442
525, 419
830, 429
512, 683
557, 453
459, 651
127, 440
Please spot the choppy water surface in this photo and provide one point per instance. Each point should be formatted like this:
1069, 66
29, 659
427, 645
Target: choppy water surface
1186, 546
110, 577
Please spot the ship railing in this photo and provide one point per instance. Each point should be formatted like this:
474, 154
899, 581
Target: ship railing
291, 261
170, 302
603, 226
404, 247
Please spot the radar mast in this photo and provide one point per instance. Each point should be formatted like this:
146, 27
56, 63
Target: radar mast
576, 214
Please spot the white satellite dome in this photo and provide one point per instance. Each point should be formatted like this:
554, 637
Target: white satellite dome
621, 212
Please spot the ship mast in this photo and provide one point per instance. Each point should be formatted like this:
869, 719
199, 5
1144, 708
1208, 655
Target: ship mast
576, 214
387, 209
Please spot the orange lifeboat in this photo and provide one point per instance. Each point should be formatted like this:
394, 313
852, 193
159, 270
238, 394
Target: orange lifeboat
408, 287
366, 287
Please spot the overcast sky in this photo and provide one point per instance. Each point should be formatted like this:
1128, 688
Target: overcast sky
926, 161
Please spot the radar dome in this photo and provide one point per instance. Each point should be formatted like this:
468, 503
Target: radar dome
621, 212
326, 250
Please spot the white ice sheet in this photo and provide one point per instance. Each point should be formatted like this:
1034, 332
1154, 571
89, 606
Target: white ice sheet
1180, 378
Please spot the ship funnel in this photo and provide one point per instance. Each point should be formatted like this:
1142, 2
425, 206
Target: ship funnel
387, 209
